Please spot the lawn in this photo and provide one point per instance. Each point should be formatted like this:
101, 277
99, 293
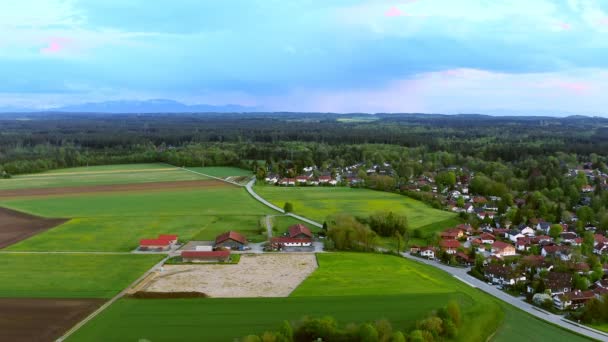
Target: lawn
117, 221
281, 224
319, 202
519, 326
70, 275
100, 175
222, 171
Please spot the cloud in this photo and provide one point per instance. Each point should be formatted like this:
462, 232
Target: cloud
564, 26
56, 45
393, 12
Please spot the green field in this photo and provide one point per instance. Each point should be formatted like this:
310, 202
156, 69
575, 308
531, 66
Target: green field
281, 224
100, 175
70, 275
222, 171
319, 202
348, 286
117, 221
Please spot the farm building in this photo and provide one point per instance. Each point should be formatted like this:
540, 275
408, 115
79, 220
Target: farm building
205, 256
162, 243
230, 240
300, 231
280, 242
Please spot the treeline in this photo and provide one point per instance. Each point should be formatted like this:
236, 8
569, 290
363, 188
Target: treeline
440, 325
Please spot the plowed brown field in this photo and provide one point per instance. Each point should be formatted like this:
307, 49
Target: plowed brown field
16, 226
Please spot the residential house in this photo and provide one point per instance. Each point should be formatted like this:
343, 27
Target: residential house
287, 181
282, 241
427, 252
503, 275
562, 252
300, 231
230, 240
573, 300
452, 234
514, 234
558, 282
502, 249
487, 238
271, 178
449, 246
162, 243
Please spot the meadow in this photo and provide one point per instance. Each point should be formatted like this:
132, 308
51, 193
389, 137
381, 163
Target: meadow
318, 202
70, 275
100, 175
351, 287
222, 171
117, 221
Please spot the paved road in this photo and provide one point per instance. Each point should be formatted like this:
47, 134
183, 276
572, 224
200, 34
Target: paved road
269, 226
461, 274
250, 190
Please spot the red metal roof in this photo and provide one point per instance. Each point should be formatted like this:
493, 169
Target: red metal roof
169, 237
231, 235
153, 242
205, 254
449, 244
298, 229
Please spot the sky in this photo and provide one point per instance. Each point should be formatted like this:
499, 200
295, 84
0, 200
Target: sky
424, 56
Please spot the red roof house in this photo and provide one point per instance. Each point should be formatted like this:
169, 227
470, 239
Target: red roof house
231, 239
205, 256
299, 231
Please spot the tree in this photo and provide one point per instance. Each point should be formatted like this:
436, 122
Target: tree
288, 207
398, 337
286, 331
555, 230
368, 333
453, 310
399, 240
384, 329
386, 223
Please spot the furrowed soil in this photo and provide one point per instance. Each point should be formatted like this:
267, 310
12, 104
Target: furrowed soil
155, 186
16, 226
41, 319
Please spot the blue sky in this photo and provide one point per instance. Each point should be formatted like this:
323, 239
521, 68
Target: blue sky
448, 56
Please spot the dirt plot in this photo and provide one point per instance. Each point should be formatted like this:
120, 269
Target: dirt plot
261, 275
41, 319
112, 188
16, 226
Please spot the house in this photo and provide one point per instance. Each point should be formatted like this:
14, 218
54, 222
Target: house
502, 249
324, 179
568, 237
563, 252
414, 249
302, 179
544, 226
272, 178
449, 246
514, 234
502, 275
162, 243
487, 238
280, 242
527, 231
230, 240
287, 181
600, 248
573, 300
427, 252
452, 234
523, 244
205, 256
300, 231
464, 259
558, 282
468, 208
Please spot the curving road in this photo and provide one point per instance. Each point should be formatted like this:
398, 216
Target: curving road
461, 274
250, 190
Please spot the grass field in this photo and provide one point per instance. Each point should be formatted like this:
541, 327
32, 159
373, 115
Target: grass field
281, 224
100, 175
117, 221
70, 275
319, 202
222, 171
350, 287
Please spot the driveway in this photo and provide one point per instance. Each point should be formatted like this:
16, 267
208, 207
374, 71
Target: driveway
461, 274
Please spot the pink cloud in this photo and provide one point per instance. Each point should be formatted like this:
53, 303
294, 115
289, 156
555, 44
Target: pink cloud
603, 21
55, 45
393, 12
574, 86
565, 26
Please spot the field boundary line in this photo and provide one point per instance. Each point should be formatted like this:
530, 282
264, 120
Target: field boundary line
206, 175
110, 302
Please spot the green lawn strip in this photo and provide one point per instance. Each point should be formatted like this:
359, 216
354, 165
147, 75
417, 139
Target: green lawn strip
222, 171
224, 319
601, 327
87, 177
70, 275
520, 326
281, 224
319, 202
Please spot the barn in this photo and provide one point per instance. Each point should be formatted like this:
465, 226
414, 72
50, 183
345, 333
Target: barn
230, 240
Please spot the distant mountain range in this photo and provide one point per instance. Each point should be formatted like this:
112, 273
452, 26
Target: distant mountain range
134, 106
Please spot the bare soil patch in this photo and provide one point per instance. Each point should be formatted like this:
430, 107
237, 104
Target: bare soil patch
153, 186
41, 319
256, 275
16, 226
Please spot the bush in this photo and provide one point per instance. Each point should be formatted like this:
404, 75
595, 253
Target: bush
288, 207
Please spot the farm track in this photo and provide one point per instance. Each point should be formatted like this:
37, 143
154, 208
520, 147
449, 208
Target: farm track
77, 190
